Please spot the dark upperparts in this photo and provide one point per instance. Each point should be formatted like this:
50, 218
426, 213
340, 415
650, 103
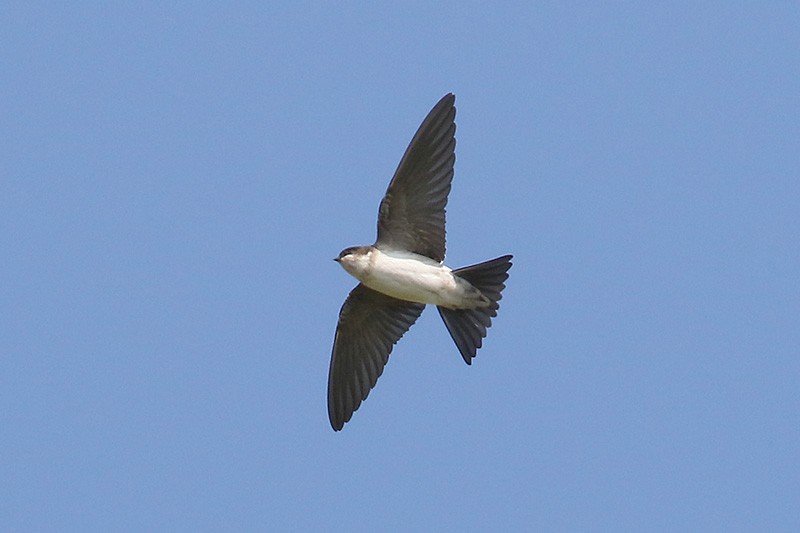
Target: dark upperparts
356, 250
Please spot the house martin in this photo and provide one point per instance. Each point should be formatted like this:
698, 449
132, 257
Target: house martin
404, 271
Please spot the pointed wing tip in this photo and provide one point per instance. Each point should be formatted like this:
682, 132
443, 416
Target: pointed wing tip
447, 100
337, 423
338, 420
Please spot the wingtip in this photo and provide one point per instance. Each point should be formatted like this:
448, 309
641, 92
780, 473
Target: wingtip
448, 99
336, 419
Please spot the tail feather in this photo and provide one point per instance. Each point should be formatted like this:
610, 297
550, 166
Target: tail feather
468, 326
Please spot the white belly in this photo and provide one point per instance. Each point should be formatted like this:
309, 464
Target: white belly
412, 277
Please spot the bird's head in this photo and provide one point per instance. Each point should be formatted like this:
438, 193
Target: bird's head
355, 260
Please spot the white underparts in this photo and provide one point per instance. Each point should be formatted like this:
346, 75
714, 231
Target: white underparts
413, 277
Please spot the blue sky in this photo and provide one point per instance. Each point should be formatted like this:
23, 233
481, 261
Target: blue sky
175, 180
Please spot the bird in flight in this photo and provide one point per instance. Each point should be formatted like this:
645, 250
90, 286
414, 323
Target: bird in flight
404, 271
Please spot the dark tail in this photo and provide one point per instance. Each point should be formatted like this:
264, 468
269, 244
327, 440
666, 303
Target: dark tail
468, 326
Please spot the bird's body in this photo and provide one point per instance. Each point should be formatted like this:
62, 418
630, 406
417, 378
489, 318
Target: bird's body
404, 271
412, 277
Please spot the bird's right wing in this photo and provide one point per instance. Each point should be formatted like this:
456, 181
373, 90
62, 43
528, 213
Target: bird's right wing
370, 323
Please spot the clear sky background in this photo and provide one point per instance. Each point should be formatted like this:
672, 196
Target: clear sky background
175, 180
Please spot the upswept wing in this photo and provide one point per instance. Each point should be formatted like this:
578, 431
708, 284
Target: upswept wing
412, 213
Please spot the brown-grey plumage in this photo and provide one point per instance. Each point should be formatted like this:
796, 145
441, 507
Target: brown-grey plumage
370, 323
412, 213
406, 263
411, 217
468, 326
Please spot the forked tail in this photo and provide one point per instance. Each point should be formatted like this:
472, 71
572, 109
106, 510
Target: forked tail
468, 326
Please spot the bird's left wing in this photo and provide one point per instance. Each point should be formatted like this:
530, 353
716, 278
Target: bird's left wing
370, 323
412, 213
